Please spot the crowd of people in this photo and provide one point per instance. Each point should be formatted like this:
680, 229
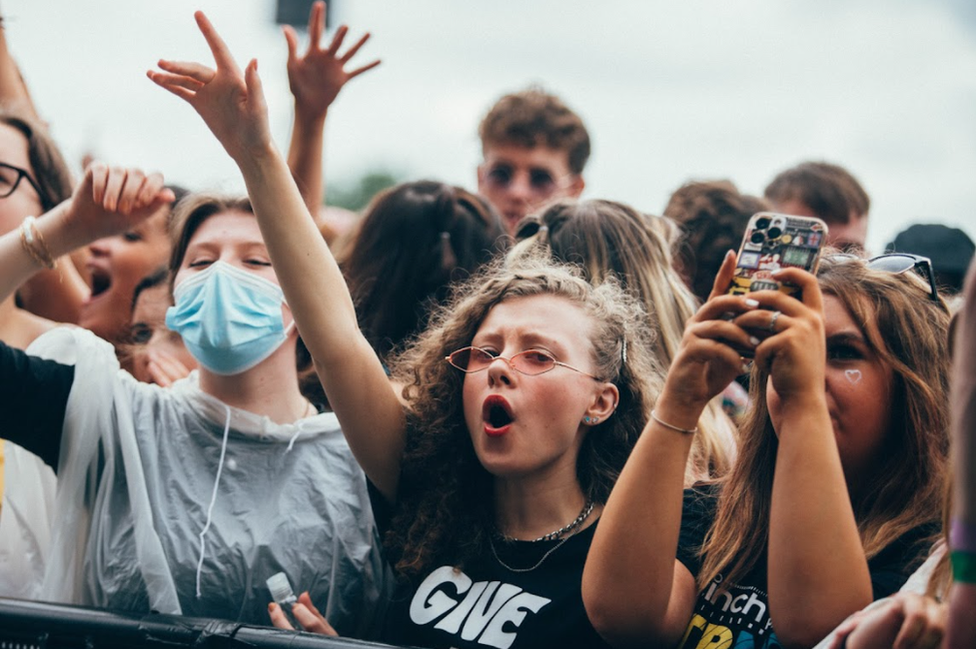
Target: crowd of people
507, 417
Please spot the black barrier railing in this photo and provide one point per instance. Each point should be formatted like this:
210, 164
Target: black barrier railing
39, 625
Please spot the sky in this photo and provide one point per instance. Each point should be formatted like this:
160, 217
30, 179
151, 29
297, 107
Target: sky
670, 91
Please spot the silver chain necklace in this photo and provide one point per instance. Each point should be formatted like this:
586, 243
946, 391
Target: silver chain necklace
552, 536
572, 527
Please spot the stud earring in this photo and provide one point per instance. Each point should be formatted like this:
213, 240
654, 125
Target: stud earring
591, 420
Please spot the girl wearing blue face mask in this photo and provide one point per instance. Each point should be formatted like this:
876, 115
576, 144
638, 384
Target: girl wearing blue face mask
209, 487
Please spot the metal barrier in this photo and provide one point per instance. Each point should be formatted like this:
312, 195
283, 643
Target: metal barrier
39, 625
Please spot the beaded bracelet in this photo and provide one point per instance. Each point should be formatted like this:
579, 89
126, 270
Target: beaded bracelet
34, 245
671, 426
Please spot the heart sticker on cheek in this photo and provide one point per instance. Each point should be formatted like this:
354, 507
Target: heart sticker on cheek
854, 376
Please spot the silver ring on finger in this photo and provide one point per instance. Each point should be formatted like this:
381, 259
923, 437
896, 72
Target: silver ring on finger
772, 322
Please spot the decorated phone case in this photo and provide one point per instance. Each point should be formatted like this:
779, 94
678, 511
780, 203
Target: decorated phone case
774, 241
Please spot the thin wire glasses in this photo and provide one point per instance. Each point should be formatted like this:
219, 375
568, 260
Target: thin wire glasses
10, 177
531, 362
901, 262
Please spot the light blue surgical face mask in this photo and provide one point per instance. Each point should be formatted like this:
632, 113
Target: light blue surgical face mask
230, 319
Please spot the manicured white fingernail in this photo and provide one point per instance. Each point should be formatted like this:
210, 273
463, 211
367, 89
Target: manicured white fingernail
755, 341
746, 368
752, 304
777, 271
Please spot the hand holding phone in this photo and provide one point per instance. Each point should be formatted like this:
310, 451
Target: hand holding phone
774, 241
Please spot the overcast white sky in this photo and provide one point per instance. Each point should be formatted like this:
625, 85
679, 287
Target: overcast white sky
670, 91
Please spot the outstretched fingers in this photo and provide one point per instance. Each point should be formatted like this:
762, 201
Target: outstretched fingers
337, 41
182, 87
255, 89
291, 38
221, 53
360, 70
351, 52
316, 25
196, 71
167, 79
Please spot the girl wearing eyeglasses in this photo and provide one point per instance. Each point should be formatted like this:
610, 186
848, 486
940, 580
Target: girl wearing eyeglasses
835, 497
524, 397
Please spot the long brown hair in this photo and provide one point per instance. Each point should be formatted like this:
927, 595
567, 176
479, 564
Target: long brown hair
906, 488
445, 509
414, 240
607, 239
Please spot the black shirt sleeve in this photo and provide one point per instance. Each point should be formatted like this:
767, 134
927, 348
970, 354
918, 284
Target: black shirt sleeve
892, 567
697, 514
33, 399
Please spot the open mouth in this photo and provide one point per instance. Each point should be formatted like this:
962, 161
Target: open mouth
497, 415
101, 281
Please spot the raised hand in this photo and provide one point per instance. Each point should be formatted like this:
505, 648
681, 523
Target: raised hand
793, 345
317, 76
110, 200
709, 356
230, 102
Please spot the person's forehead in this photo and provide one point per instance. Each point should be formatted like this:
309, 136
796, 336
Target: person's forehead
151, 303
551, 317
541, 157
229, 226
13, 147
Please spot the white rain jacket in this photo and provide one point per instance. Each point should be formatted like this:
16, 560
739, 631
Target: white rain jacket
136, 495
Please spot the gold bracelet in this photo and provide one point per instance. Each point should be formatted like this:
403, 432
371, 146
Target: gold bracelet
671, 426
33, 243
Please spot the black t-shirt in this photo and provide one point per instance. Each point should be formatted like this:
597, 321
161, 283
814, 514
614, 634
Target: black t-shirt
737, 616
489, 605
32, 402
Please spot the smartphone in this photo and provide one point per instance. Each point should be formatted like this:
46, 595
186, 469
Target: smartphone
774, 241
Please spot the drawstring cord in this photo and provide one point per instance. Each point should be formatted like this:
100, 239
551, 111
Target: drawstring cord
213, 500
298, 431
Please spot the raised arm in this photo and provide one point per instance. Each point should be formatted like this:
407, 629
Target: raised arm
106, 202
635, 591
818, 574
13, 91
962, 598
54, 295
315, 79
232, 105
